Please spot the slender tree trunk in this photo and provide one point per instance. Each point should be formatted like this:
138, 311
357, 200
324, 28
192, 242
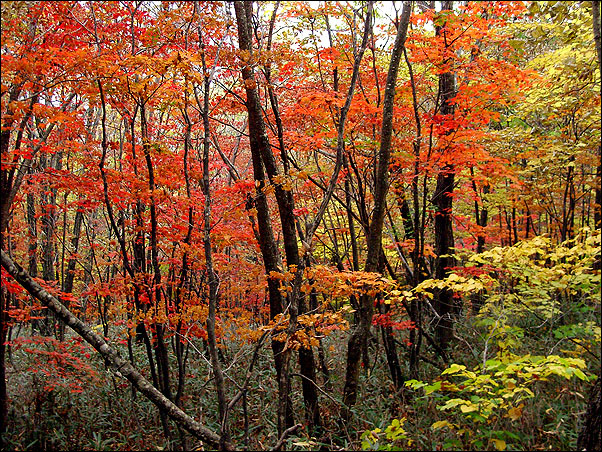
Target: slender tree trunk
598, 200
568, 203
222, 403
391, 352
69, 278
11, 176
3, 331
12, 172
120, 235
598, 206
481, 213
160, 348
32, 224
48, 220
417, 256
32, 250
359, 337
260, 143
306, 359
271, 259
179, 347
389, 341
443, 201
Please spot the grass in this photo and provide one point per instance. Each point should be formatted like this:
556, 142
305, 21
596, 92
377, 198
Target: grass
106, 416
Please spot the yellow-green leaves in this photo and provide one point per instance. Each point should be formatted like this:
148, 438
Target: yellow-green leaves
393, 438
495, 391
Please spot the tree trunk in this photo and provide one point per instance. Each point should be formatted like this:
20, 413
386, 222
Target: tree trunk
284, 198
271, 258
359, 337
391, 352
443, 201
211, 274
69, 278
3, 331
590, 437
48, 220
598, 206
160, 348
598, 200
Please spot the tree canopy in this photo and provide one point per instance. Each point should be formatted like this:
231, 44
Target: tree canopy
300, 225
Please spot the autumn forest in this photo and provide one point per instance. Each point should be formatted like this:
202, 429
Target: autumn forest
322, 225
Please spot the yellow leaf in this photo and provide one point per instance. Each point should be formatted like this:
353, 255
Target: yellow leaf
441, 424
500, 444
516, 412
468, 408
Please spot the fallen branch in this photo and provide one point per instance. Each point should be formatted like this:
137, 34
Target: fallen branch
120, 366
284, 435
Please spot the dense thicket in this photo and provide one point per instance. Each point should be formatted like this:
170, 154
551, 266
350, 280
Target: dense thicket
300, 225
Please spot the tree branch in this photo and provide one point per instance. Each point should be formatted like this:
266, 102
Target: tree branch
120, 366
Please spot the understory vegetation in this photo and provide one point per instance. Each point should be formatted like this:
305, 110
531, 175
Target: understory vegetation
300, 225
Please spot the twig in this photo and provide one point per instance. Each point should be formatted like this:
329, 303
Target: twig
284, 435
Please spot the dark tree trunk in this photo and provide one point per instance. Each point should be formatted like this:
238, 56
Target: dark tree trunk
3, 331
568, 203
590, 437
260, 147
443, 201
359, 337
32, 223
483, 223
417, 256
69, 278
391, 352
389, 341
598, 206
160, 348
32, 250
212, 276
48, 220
179, 347
284, 198
9, 184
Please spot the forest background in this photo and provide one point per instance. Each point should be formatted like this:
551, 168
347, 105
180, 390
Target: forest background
300, 225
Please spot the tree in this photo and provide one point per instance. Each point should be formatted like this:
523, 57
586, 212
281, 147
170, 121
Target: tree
194, 180
118, 364
589, 436
359, 338
443, 199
